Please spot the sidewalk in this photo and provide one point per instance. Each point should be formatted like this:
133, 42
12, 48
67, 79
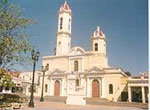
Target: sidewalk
47, 105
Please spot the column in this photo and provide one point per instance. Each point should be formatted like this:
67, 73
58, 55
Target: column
88, 87
49, 87
66, 86
143, 95
62, 88
129, 93
102, 88
68, 65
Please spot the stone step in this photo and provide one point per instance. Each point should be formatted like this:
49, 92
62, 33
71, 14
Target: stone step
96, 100
55, 99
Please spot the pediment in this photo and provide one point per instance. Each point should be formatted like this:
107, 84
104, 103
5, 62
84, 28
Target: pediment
77, 51
57, 71
94, 69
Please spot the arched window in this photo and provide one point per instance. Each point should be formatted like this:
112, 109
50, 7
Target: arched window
96, 46
110, 89
77, 82
59, 42
69, 24
46, 87
61, 23
75, 65
47, 66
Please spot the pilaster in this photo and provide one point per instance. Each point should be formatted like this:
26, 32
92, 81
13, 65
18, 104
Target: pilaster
143, 95
129, 93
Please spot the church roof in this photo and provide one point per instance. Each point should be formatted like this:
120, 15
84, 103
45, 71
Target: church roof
65, 7
98, 33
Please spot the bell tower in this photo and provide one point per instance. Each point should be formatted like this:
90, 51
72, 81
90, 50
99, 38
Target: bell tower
63, 43
98, 42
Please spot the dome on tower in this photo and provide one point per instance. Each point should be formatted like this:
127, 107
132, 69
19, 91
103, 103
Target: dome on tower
65, 7
98, 33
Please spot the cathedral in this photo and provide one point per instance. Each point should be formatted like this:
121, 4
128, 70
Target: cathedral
77, 76
77, 73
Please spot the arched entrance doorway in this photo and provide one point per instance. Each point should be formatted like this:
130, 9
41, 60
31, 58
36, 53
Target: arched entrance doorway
95, 88
57, 88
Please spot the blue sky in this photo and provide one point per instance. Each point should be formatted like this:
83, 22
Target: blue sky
124, 22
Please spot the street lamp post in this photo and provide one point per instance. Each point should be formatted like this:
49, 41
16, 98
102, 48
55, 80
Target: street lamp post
43, 69
35, 57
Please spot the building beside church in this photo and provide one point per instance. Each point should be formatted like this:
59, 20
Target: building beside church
138, 88
79, 74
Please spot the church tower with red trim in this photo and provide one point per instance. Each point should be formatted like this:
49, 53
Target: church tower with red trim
98, 42
63, 43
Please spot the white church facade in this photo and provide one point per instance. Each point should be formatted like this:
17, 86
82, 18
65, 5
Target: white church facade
78, 74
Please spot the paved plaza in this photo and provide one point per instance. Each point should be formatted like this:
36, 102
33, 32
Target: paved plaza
47, 105
101, 108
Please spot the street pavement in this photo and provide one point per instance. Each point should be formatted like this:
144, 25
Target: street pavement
47, 105
84, 109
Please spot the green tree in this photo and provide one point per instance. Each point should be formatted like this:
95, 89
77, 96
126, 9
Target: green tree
14, 38
6, 80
